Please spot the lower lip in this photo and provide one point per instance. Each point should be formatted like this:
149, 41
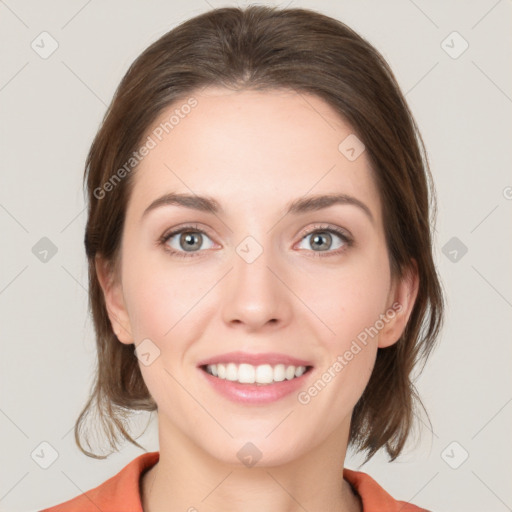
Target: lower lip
253, 393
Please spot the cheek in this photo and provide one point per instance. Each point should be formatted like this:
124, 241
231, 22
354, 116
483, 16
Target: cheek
160, 296
164, 297
348, 348
348, 300
350, 303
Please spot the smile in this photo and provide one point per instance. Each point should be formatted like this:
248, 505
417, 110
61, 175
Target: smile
263, 374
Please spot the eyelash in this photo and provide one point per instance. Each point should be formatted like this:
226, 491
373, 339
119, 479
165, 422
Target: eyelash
348, 241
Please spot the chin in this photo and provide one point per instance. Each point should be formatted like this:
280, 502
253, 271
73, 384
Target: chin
255, 451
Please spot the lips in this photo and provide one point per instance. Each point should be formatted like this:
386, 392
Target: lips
271, 358
253, 379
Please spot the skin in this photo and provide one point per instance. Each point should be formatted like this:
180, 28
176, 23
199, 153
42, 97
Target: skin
253, 152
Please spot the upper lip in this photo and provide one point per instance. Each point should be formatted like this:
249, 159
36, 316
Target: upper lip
271, 358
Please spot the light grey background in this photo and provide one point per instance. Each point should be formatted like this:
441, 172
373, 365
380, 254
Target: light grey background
50, 110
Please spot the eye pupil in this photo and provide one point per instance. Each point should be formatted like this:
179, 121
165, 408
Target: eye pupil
188, 240
319, 236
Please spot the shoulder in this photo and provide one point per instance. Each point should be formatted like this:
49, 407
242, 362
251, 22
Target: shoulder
374, 497
120, 492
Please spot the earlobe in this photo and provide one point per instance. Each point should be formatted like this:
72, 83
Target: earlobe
400, 305
112, 292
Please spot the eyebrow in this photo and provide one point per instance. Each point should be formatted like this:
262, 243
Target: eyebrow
296, 207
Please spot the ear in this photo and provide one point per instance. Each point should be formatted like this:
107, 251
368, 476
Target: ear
114, 300
401, 300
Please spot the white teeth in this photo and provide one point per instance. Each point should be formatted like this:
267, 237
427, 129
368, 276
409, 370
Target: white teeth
299, 371
264, 374
231, 372
249, 374
221, 371
246, 373
279, 372
290, 372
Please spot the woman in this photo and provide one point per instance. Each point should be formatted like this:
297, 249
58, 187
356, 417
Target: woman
260, 263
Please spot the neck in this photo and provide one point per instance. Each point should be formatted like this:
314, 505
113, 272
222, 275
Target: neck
186, 478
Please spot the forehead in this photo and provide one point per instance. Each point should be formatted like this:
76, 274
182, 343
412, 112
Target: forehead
251, 149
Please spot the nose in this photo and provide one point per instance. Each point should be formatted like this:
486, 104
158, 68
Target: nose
256, 295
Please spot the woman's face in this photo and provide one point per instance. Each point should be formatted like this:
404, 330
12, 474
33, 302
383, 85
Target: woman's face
256, 283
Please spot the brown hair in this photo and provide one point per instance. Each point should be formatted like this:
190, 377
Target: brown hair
265, 48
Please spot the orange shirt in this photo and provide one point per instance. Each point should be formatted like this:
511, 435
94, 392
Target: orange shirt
121, 493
